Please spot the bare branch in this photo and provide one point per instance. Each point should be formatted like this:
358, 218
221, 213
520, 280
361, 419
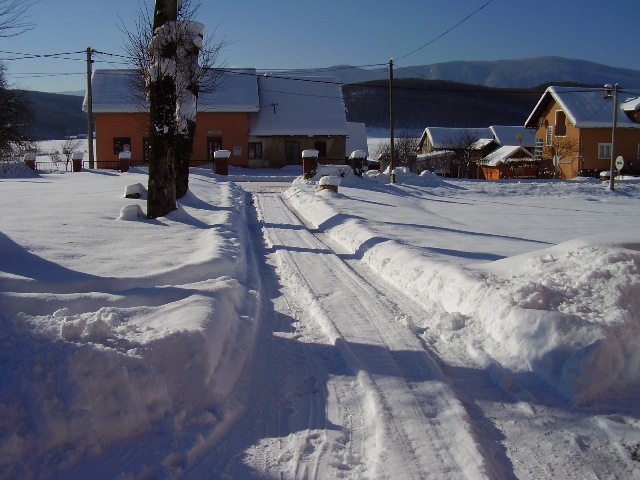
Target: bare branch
13, 17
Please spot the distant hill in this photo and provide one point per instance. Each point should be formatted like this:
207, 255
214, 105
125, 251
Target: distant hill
434, 103
56, 115
523, 73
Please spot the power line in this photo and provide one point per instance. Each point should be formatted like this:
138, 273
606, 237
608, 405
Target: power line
447, 31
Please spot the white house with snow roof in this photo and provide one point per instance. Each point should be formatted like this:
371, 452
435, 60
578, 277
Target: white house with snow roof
297, 114
264, 121
574, 124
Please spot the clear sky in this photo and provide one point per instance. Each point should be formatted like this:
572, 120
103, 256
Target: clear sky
287, 34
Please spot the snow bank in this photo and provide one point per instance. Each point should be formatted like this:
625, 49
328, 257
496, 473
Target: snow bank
569, 313
108, 344
15, 170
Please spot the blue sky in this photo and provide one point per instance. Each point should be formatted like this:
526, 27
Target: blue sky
283, 34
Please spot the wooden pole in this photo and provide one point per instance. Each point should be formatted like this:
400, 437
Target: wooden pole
613, 137
90, 107
392, 149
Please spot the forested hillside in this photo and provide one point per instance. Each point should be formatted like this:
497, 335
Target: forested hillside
433, 103
56, 115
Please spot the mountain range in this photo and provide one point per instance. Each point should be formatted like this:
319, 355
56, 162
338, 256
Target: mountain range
522, 73
443, 94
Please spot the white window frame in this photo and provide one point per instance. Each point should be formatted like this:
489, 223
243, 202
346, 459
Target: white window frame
549, 136
539, 148
604, 151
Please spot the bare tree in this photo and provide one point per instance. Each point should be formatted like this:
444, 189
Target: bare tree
405, 147
562, 148
465, 147
16, 117
13, 17
177, 49
161, 86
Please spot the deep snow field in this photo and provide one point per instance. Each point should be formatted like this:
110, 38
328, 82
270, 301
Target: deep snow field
118, 330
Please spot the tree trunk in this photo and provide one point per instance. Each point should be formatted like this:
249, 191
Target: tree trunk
184, 151
161, 197
162, 99
188, 100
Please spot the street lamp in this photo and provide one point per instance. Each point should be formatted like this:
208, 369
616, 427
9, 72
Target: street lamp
607, 94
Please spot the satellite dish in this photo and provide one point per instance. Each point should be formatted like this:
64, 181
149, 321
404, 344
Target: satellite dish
619, 163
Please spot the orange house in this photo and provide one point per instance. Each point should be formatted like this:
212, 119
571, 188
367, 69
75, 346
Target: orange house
122, 118
263, 120
574, 131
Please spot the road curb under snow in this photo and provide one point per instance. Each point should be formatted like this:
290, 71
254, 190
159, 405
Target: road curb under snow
581, 358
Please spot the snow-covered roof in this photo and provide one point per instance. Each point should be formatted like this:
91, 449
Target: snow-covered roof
584, 107
509, 135
118, 91
299, 106
435, 154
445, 137
357, 138
237, 91
632, 105
505, 154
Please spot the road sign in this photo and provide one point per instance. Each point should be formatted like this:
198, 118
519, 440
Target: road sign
619, 163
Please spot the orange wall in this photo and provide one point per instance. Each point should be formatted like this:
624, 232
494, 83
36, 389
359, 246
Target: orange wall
232, 127
111, 125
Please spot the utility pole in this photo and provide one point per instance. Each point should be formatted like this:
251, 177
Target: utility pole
392, 149
613, 136
90, 107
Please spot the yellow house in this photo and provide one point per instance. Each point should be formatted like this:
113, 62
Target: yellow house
573, 128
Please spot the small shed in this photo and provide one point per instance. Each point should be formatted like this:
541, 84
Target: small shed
509, 162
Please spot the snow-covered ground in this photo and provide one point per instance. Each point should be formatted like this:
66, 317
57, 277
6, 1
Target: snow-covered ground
456, 328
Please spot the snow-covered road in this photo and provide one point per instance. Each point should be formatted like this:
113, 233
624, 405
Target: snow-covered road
345, 387
358, 395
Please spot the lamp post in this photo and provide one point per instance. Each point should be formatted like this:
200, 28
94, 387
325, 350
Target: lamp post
613, 130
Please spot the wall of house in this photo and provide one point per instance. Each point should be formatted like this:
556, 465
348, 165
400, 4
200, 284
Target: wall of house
627, 141
583, 157
230, 127
274, 150
119, 125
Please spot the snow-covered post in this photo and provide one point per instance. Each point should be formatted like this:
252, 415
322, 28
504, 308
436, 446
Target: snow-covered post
221, 162
309, 163
30, 160
123, 160
356, 160
329, 182
76, 161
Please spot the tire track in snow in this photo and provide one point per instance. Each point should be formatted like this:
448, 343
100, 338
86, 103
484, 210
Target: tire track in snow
489, 392
424, 430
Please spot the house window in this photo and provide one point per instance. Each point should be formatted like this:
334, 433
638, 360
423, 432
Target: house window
561, 124
638, 151
549, 136
321, 147
121, 144
538, 148
604, 150
292, 153
255, 150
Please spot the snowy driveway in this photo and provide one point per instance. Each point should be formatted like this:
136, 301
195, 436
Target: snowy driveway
345, 387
